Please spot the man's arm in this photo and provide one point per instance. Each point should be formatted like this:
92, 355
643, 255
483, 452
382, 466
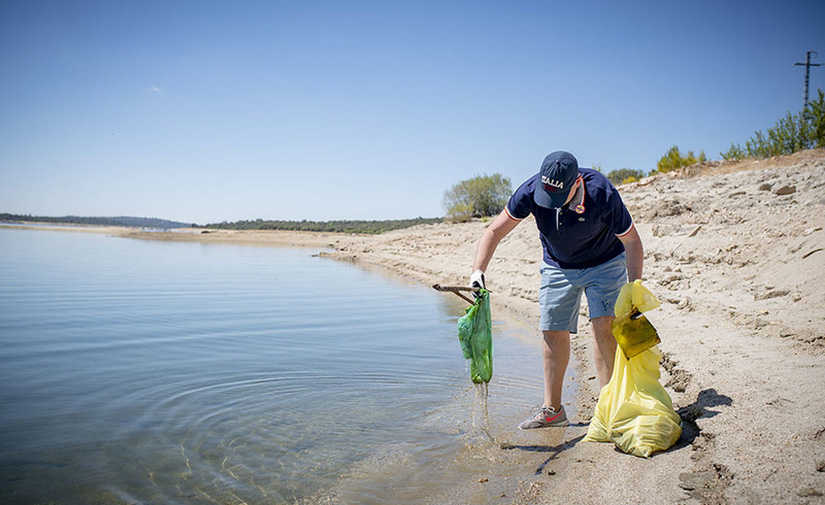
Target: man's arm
500, 227
635, 254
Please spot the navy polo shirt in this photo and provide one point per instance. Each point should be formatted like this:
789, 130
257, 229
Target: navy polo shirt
585, 232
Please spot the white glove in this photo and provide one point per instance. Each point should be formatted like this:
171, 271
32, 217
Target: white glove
477, 280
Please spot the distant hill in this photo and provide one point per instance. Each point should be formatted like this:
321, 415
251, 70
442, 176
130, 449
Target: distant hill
132, 222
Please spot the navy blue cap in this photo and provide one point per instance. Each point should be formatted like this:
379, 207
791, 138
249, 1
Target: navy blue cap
557, 175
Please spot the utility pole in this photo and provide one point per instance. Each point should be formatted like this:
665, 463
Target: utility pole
808, 66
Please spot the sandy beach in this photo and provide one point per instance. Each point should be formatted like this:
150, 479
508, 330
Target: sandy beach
736, 253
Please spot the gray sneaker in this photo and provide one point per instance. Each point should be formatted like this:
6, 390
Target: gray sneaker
545, 418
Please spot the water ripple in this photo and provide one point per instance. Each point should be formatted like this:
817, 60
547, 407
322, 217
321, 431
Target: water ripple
179, 373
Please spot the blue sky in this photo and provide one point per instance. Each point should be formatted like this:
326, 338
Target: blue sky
204, 111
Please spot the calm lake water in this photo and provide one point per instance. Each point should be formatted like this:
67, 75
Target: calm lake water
156, 372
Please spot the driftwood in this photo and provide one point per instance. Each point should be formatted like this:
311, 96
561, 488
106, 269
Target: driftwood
457, 290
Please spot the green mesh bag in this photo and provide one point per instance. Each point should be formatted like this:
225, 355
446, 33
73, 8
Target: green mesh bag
476, 338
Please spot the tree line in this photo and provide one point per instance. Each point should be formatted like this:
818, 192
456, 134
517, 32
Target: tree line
341, 226
128, 221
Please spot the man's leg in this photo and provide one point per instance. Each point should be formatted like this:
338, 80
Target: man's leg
559, 300
604, 347
602, 286
556, 354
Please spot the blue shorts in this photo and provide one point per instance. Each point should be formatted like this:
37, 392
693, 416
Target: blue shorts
561, 289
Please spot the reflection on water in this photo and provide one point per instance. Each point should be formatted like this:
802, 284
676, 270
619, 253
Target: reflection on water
150, 372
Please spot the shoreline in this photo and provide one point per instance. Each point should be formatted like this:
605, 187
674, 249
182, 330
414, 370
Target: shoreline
519, 478
741, 323
512, 447
520, 447
247, 237
77, 228
535, 462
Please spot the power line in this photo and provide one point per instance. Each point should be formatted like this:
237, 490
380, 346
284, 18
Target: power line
808, 66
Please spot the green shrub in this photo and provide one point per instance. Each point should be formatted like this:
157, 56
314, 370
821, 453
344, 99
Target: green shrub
624, 175
481, 196
815, 114
673, 160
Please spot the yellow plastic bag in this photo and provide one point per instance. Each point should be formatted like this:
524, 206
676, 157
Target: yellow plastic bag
634, 411
632, 330
633, 294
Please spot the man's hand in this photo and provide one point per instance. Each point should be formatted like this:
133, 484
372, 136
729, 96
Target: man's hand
477, 281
